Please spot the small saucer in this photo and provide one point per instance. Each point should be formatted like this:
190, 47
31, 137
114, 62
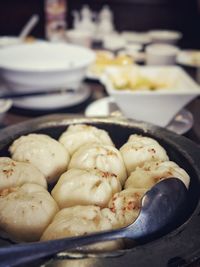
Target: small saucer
54, 101
181, 123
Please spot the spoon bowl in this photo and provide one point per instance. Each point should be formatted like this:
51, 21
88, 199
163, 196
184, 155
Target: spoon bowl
162, 204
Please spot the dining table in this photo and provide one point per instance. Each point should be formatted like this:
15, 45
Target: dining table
97, 92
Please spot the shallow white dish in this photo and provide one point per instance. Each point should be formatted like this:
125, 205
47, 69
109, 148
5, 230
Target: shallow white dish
54, 101
158, 106
136, 37
106, 106
165, 36
189, 58
44, 65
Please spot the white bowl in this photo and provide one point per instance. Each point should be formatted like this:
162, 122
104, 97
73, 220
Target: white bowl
165, 36
159, 106
44, 66
131, 37
83, 38
161, 54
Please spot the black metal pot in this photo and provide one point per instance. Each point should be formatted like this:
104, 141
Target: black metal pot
175, 248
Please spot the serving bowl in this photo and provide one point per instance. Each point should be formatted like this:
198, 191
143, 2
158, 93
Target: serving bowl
171, 247
165, 36
174, 89
44, 65
161, 54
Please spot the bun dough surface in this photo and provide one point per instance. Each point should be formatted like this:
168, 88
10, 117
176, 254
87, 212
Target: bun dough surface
26, 211
126, 205
81, 134
85, 187
44, 152
13, 173
103, 157
153, 172
75, 221
140, 149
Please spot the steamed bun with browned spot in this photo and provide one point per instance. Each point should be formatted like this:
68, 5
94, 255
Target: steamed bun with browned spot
26, 211
81, 134
75, 221
153, 172
13, 173
44, 152
78, 221
126, 205
85, 187
140, 149
103, 157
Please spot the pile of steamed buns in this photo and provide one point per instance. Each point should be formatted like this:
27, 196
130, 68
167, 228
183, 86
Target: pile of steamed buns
96, 186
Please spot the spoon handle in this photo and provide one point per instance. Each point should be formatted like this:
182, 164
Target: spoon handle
17, 255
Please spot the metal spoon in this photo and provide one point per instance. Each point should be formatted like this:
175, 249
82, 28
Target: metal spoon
160, 206
29, 26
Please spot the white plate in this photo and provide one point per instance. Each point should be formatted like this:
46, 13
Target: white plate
181, 124
189, 58
54, 101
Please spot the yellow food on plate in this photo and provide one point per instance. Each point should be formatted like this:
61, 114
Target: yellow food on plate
106, 59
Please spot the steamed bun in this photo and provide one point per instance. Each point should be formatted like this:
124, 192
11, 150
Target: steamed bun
126, 205
81, 220
140, 149
13, 173
103, 157
81, 134
26, 211
44, 152
85, 187
75, 221
153, 172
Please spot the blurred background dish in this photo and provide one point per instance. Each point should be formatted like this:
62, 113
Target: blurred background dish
54, 101
152, 94
189, 58
106, 106
161, 54
142, 38
165, 36
44, 65
78, 37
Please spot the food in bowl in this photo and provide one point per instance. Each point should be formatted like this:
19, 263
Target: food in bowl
150, 93
65, 211
133, 78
